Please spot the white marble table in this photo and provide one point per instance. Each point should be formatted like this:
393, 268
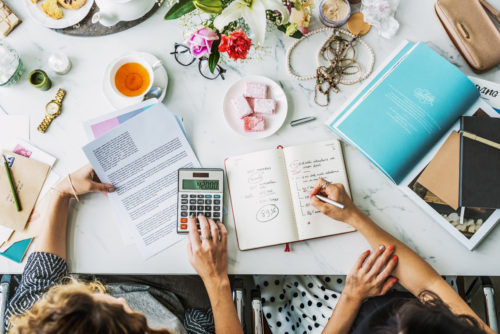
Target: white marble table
95, 245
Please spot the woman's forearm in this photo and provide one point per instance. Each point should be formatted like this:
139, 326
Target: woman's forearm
343, 315
52, 237
225, 316
412, 271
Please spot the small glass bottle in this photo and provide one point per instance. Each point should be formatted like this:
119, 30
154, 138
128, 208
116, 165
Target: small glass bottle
11, 66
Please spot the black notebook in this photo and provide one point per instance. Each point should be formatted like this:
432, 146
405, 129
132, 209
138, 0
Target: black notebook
479, 164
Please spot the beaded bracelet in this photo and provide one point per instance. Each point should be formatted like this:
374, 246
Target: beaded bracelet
72, 188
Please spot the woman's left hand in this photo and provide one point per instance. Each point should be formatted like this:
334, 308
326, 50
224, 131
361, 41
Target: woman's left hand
84, 180
370, 276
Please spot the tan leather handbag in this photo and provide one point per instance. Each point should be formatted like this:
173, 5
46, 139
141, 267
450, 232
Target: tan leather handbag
472, 31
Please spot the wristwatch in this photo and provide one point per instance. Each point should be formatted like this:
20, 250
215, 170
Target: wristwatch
52, 110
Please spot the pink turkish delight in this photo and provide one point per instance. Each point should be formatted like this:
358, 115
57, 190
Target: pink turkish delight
254, 123
242, 106
264, 106
251, 102
255, 90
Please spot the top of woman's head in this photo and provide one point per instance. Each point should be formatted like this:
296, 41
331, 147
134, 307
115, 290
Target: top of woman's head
73, 308
430, 315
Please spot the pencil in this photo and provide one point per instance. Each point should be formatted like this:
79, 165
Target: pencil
12, 187
329, 201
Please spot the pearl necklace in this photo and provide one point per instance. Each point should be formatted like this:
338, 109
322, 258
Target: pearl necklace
334, 31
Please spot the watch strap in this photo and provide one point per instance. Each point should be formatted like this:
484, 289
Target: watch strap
59, 96
46, 123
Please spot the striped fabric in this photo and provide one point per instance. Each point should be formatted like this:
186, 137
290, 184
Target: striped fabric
42, 271
199, 322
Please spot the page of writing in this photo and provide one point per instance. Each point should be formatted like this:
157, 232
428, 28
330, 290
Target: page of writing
141, 158
306, 164
260, 197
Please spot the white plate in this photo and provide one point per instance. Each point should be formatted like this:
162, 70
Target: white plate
160, 80
273, 122
71, 17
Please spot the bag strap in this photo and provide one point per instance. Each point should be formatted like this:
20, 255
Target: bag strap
491, 9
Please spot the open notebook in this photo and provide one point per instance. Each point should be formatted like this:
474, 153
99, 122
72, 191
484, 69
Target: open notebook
270, 193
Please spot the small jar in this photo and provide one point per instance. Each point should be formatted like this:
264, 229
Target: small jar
11, 66
333, 23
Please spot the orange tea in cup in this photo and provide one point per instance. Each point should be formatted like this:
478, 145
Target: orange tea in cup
132, 79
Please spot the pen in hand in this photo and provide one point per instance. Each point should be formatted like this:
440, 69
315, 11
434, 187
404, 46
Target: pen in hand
11, 182
329, 201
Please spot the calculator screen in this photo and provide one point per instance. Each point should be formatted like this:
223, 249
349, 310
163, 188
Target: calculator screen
200, 184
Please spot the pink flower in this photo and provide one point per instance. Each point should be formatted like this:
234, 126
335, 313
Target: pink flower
201, 42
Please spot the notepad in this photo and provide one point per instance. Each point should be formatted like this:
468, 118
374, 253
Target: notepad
270, 190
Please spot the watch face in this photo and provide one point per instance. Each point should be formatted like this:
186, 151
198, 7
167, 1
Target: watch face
52, 108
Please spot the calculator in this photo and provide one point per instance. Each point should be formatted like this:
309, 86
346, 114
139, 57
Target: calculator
200, 190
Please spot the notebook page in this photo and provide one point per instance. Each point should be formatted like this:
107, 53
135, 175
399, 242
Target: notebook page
306, 164
260, 197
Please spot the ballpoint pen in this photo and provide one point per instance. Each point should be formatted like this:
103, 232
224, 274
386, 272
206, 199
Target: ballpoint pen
12, 186
329, 201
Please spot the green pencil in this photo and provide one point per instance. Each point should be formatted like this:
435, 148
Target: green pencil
12, 187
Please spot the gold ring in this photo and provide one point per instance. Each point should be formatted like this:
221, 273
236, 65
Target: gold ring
208, 237
324, 185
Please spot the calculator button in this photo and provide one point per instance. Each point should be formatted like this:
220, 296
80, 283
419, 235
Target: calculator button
208, 196
201, 196
184, 214
184, 196
208, 208
199, 213
217, 201
200, 207
184, 207
192, 201
200, 201
208, 201
216, 208
208, 214
216, 196
192, 207
184, 227
184, 201
216, 214
184, 220
192, 196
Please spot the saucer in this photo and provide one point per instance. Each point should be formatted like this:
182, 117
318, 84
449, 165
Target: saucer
160, 80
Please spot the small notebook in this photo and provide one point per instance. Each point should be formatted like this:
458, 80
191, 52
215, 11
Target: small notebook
480, 164
270, 189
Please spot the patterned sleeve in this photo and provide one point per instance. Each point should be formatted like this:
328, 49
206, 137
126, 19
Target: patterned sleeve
42, 271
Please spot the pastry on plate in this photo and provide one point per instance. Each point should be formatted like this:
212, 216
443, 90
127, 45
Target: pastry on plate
72, 4
52, 9
34, 1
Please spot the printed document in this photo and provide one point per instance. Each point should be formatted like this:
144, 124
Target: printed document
141, 158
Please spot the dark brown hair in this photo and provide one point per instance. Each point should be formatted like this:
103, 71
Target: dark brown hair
430, 315
71, 308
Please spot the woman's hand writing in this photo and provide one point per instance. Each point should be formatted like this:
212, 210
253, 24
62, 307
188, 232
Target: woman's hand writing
337, 193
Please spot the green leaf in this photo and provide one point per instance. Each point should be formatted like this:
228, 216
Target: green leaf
296, 34
214, 57
179, 9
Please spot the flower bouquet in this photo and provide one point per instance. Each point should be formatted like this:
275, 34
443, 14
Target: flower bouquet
229, 21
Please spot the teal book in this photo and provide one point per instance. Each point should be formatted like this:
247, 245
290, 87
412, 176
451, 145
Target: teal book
17, 251
405, 109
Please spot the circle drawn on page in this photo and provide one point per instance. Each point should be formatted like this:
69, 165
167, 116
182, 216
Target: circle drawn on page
267, 213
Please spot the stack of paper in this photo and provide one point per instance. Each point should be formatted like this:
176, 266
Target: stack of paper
139, 150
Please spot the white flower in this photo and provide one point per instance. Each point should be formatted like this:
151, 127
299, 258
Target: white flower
254, 14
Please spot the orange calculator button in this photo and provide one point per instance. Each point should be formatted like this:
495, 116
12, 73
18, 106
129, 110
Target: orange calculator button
184, 220
184, 227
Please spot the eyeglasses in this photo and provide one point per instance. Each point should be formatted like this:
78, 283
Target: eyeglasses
184, 57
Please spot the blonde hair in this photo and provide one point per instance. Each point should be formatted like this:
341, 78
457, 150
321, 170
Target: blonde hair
71, 308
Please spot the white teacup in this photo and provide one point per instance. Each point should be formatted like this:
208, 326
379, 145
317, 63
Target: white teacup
118, 63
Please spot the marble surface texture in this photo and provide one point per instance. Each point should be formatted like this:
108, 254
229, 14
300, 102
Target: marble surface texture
95, 246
